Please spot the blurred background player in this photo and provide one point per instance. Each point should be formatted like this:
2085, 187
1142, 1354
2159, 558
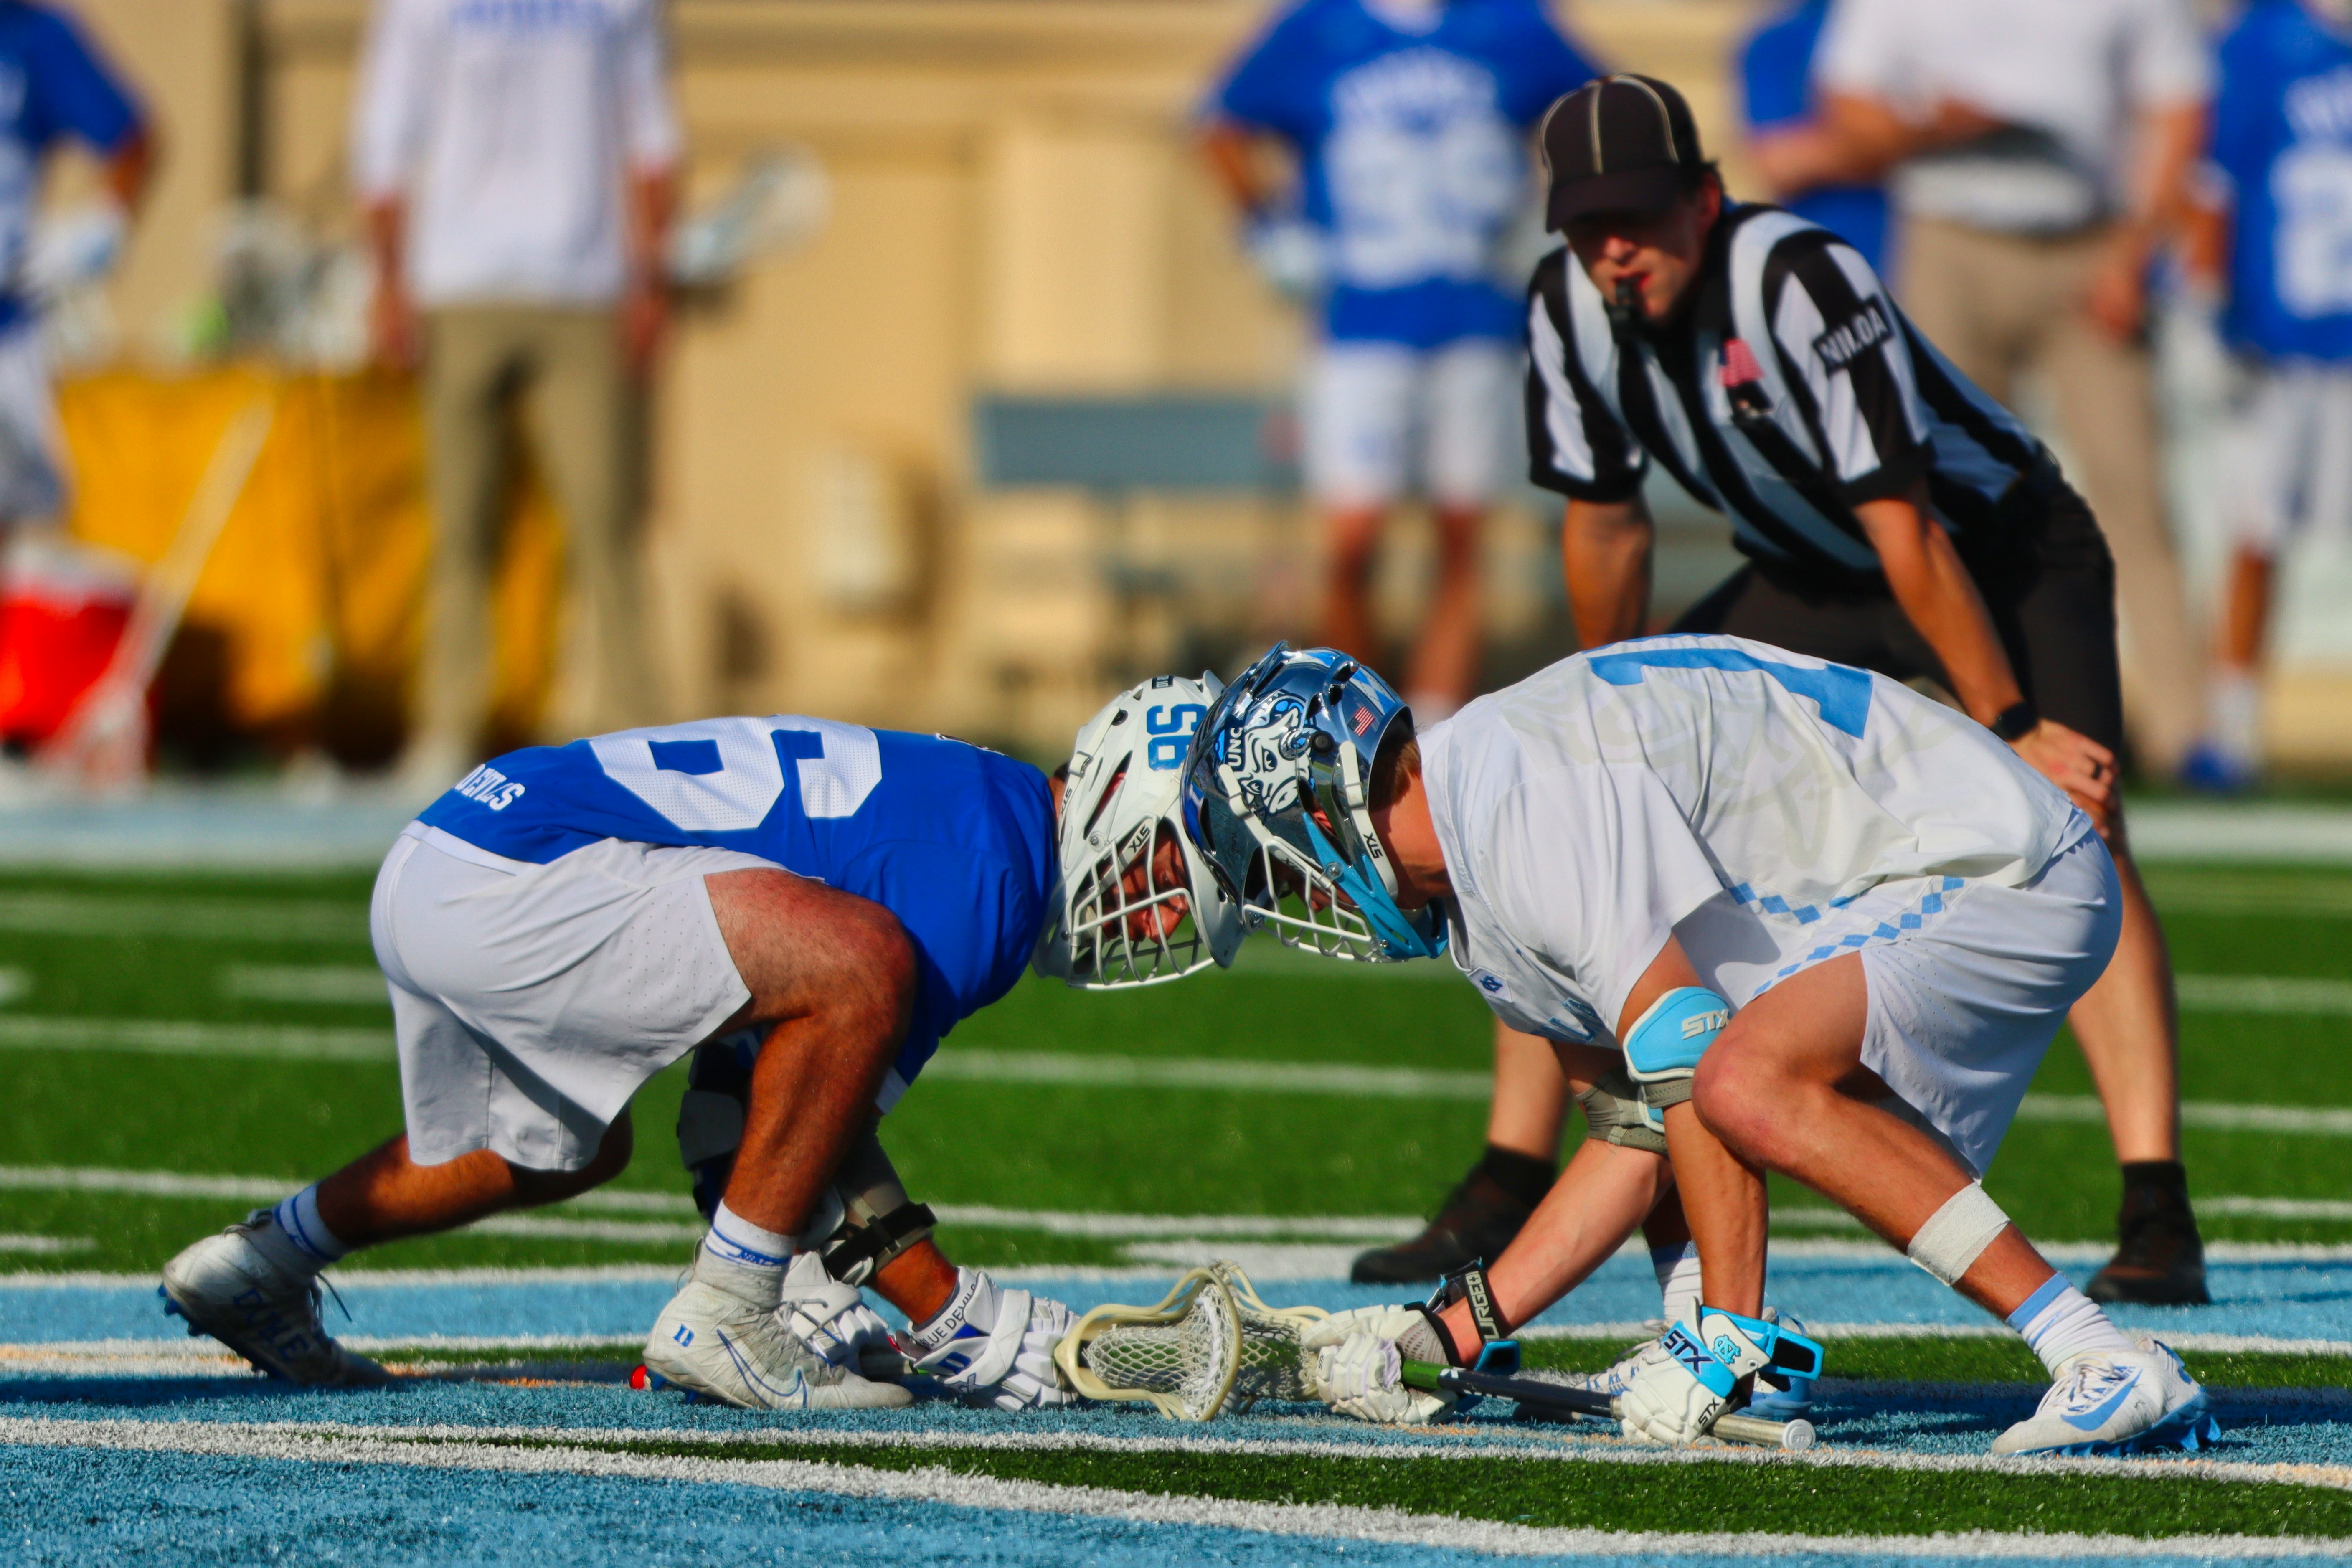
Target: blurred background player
2039, 157
2281, 153
1408, 121
518, 162
1777, 102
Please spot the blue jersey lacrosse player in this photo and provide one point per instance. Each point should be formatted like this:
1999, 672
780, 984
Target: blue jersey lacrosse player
1830, 925
568, 921
2282, 158
1408, 121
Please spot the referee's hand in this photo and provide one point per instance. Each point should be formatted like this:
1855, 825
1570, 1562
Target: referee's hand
2076, 763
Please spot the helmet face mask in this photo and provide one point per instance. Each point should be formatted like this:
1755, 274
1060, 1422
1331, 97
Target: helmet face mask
1136, 903
1277, 796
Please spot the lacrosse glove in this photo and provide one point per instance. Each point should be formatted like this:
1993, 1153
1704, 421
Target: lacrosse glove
1356, 1359
833, 1320
991, 1346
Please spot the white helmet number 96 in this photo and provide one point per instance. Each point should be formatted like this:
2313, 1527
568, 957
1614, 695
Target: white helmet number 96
1171, 734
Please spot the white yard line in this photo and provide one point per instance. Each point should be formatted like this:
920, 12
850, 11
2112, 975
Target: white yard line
166, 1037
332, 984
934, 1486
216, 919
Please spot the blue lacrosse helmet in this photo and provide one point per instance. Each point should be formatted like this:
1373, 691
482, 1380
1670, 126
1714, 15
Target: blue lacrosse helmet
1277, 796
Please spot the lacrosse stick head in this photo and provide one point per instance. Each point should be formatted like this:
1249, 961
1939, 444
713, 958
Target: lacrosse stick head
779, 203
1272, 1365
1181, 1356
1137, 903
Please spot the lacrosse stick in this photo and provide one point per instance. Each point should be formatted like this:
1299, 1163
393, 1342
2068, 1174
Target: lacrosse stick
778, 204
1552, 1400
1272, 1366
104, 742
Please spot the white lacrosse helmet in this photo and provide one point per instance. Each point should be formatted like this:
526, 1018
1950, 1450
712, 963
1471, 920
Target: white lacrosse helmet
1114, 920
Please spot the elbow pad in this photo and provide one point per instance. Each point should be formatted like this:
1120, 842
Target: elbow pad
1663, 1047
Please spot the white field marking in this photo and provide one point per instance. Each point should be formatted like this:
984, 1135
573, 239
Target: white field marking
2223, 893
168, 1037
1260, 1260
2315, 1122
1206, 1072
933, 1486
2278, 1208
13, 984
220, 919
13, 1241
335, 984
2215, 1345
652, 1232
2264, 994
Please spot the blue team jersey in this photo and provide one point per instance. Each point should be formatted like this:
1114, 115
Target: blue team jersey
2283, 134
51, 85
956, 841
1411, 148
1776, 70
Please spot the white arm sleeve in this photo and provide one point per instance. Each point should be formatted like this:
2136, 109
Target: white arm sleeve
648, 114
393, 103
2166, 62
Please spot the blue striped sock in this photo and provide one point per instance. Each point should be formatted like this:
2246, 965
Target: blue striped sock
299, 1222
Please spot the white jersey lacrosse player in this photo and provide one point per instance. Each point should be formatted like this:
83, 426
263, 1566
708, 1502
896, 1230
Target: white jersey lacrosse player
568, 921
1831, 925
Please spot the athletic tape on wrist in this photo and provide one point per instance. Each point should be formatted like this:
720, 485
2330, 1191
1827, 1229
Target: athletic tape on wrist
1956, 1235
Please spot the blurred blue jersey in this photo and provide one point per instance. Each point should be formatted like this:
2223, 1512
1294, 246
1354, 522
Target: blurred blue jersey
1776, 68
2282, 135
51, 85
1412, 146
956, 841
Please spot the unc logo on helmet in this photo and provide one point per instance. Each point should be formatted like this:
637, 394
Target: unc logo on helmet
1264, 753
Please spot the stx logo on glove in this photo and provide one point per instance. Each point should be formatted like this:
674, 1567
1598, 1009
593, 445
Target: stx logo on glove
1695, 1360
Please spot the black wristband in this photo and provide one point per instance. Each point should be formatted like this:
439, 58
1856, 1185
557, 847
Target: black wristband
2016, 720
1469, 1284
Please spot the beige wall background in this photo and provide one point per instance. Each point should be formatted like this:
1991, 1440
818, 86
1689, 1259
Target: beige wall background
1016, 208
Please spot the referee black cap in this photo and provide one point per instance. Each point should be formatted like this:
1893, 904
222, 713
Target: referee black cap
1618, 143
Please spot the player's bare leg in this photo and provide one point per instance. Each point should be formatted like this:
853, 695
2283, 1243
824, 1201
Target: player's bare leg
1351, 538
1444, 670
1780, 1088
2229, 756
2129, 1027
383, 1195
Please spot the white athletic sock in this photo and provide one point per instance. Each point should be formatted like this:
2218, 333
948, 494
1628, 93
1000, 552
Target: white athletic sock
743, 1259
2233, 708
297, 1239
2060, 1322
1677, 1271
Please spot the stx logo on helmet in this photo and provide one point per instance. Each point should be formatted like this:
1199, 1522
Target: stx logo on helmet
1262, 748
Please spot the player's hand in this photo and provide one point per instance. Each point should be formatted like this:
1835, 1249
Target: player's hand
994, 1347
2117, 298
1289, 254
1683, 1382
2076, 763
645, 322
394, 337
1354, 1359
833, 1320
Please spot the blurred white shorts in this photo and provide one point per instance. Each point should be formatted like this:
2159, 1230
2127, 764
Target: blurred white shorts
1379, 419
531, 1002
32, 476
1963, 1010
2286, 453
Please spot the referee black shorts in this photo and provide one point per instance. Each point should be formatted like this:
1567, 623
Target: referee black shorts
2049, 584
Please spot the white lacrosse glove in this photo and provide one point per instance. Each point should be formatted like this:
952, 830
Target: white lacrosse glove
1358, 1356
1683, 1382
833, 1320
991, 1346
1289, 252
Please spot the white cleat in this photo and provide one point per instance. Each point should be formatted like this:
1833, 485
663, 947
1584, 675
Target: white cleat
1613, 1380
2117, 1404
715, 1344
225, 1285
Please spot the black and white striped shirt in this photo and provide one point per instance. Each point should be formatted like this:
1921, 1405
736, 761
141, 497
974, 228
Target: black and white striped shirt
1791, 391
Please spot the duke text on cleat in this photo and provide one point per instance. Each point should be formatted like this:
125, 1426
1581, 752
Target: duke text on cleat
714, 1342
224, 1286
2127, 1403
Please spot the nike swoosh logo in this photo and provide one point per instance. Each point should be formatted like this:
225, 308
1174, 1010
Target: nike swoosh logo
2092, 1420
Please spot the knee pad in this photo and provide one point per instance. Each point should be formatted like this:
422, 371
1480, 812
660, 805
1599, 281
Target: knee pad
1614, 1112
862, 1218
1664, 1047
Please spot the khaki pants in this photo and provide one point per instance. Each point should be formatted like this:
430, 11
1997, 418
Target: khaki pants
586, 432
1998, 304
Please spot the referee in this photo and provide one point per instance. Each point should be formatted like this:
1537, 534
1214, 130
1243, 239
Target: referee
1894, 518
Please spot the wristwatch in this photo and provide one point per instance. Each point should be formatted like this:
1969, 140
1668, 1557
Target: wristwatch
2017, 719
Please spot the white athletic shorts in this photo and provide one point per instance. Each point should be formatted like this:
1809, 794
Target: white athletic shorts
32, 474
1967, 988
531, 1002
1379, 418
2287, 454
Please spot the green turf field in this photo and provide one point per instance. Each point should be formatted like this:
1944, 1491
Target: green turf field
126, 998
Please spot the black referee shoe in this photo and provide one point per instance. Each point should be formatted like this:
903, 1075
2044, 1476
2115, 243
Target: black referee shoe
2160, 1261
1479, 1221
